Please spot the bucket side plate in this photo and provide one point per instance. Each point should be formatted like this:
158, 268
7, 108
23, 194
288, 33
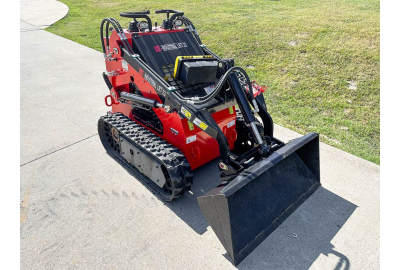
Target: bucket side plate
248, 209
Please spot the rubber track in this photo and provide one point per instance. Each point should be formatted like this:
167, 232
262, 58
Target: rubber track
158, 149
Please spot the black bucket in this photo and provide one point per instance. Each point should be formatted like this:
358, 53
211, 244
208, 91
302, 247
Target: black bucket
248, 209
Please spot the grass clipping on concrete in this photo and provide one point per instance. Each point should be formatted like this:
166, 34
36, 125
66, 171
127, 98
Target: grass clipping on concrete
318, 58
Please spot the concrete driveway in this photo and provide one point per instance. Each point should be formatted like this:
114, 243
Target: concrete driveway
81, 210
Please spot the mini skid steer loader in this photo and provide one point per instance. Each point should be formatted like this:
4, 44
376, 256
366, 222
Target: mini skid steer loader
175, 105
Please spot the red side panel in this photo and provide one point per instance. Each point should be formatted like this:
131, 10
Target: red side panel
199, 148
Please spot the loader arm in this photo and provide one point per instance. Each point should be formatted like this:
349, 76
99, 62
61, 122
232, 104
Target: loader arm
229, 167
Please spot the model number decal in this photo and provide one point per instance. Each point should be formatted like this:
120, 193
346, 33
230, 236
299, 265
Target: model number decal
186, 113
161, 90
200, 124
153, 83
150, 80
231, 123
190, 139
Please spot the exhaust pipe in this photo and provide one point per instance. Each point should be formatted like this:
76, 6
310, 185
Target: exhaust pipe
249, 208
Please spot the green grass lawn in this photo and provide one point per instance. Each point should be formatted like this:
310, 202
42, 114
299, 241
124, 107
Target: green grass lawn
319, 58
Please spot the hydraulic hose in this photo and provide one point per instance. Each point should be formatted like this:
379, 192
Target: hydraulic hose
102, 34
119, 31
207, 98
108, 20
218, 87
107, 81
122, 36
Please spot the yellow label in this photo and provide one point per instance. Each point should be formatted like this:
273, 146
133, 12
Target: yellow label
203, 126
200, 124
186, 113
191, 127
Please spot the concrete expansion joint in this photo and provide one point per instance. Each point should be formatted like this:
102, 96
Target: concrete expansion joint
62, 148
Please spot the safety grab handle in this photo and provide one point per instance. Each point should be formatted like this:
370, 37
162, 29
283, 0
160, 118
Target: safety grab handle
136, 15
158, 11
129, 14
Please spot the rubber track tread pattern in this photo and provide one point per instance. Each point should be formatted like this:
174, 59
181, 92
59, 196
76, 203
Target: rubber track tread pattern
157, 149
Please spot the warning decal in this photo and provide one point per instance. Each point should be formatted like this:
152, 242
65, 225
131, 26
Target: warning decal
200, 124
186, 113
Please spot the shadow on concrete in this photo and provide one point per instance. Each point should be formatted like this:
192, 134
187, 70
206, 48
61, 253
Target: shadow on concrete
186, 207
315, 224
